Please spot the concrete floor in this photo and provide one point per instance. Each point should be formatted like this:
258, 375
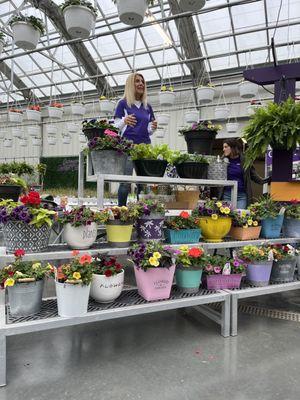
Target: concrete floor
163, 356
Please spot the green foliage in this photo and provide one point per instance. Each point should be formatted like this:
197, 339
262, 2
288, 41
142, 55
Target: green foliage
37, 23
41, 216
265, 207
178, 158
182, 221
277, 125
123, 214
200, 126
18, 168
13, 180
255, 253
41, 169
79, 216
147, 151
83, 3
97, 123
293, 210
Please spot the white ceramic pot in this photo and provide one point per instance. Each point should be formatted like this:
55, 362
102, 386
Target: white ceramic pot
72, 300
67, 139
79, 20
81, 237
36, 141
191, 5
191, 116
107, 106
51, 129
33, 115
55, 112
7, 143
77, 109
82, 139
252, 107
248, 89
132, 12
16, 132
71, 127
221, 112
2, 43
51, 140
232, 127
167, 98
23, 142
15, 117
25, 35
107, 289
205, 94
163, 119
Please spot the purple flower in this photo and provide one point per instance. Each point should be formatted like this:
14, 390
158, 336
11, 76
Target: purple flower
209, 211
217, 270
236, 263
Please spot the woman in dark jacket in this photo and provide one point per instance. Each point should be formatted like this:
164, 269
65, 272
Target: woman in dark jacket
232, 149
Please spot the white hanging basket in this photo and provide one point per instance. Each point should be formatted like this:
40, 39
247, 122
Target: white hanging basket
25, 35
67, 139
7, 143
167, 98
252, 108
205, 94
2, 43
36, 141
16, 132
221, 112
23, 142
163, 119
51, 129
232, 127
79, 20
55, 112
77, 109
33, 115
3, 134
71, 127
82, 139
16, 117
51, 140
107, 106
34, 131
191, 116
132, 12
248, 89
191, 5
160, 133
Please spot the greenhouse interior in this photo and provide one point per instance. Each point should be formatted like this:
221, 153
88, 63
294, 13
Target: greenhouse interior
149, 199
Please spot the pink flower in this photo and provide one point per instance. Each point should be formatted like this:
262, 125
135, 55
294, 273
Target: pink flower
236, 263
108, 132
217, 270
208, 268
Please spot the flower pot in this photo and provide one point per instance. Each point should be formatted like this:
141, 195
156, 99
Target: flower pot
191, 197
217, 170
72, 128
283, 270
19, 235
36, 141
106, 289
80, 237
72, 299
232, 127
191, 5
214, 230
119, 233
184, 236
108, 162
192, 170
90, 133
10, 192
188, 280
25, 298
51, 129
51, 140
79, 20
166, 98
258, 273
146, 167
55, 112
163, 119
33, 115
150, 227
271, 227
248, 89
291, 228
25, 35
16, 117
200, 142
221, 112
16, 132
205, 94
7, 143
191, 117
155, 283
23, 142
34, 131
132, 12
77, 109
67, 139
240, 233
219, 281
107, 106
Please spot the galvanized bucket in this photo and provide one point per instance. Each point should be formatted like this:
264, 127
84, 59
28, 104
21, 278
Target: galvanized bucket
108, 162
283, 270
25, 298
217, 168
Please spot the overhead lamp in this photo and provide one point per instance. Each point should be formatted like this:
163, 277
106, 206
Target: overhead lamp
167, 40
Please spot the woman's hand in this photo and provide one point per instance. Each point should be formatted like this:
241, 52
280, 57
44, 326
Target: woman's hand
130, 120
154, 125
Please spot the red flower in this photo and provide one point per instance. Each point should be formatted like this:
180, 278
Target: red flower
195, 252
108, 273
118, 267
10, 273
19, 253
184, 214
85, 259
75, 253
33, 198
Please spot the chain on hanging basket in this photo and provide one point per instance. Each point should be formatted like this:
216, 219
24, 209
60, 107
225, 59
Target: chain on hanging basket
221, 111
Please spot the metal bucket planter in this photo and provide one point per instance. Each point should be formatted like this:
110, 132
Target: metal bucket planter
271, 227
214, 230
108, 162
205, 94
240, 233
106, 289
191, 5
33, 115
221, 113
72, 299
90, 133
192, 170
190, 197
10, 192
132, 12
14, 116
248, 89
219, 281
80, 21
77, 109
191, 116
217, 170
107, 106
184, 236
188, 280
163, 119
145, 167
232, 127
258, 273
200, 142
119, 233
283, 270
19, 235
291, 228
167, 98
80, 237
25, 35
150, 227
25, 298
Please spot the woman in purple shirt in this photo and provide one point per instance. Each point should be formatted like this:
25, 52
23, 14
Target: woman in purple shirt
135, 119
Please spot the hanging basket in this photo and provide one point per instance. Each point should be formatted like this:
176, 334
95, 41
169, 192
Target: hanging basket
221, 112
79, 20
200, 141
51, 129
192, 170
191, 5
191, 116
251, 108
25, 35
167, 98
36, 141
232, 127
16, 117
163, 119
77, 109
51, 140
107, 106
71, 127
132, 12
145, 167
23, 142
34, 131
33, 115
248, 89
55, 112
67, 139
16, 132
7, 143
205, 94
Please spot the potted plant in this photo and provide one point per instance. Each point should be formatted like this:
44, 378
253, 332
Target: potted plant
214, 219
205, 93
26, 30
191, 116
154, 269
271, 215
95, 128
150, 160
55, 110
163, 119
24, 282
189, 266
109, 153
2, 42
200, 137
107, 106
108, 279
182, 229
15, 115
72, 284
77, 107
79, 227
167, 96
247, 89
80, 17
221, 112
284, 263
223, 273
119, 224
259, 260
33, 113
151, 218
191, 5
17, 168
132, 12
11, 187
277, 125
191, 166
253, 106
245, 226
291, 223
26, 224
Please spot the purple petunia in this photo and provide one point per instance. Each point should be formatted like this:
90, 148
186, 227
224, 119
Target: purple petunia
217, 270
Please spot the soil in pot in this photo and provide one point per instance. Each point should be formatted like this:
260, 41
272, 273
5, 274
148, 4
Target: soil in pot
150, 167
200, 142
10, 192
192, 170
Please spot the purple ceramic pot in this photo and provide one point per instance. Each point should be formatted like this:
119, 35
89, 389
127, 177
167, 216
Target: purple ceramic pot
150, 227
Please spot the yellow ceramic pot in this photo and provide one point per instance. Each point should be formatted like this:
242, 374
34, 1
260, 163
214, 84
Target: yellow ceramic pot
119, 233
214, 230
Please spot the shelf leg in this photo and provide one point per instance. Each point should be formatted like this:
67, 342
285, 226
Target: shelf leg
80, 177
2, 359
225, 322
234, 314
100, 191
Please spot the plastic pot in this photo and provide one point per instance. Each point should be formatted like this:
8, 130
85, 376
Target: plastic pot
79, 20
55, 112
214, 230
71, 127
240, 233
108, 162
25, 35
182, 236
188, 280
283, 270
191, 116
258, 273
219, 281
132, 12
16, 117
10, 192
25, 298
119, 233
67, 139
221, 113
72, 299
248, 89
192, 170
150, 227
205, 94
167, 98
163, 119
107, 106
16, 132
80, 237
34, 131
33, 115
23, 142
77, 109
146, 167
51, 129
36, 141
232, 127
7, 143
200, 142
106, 289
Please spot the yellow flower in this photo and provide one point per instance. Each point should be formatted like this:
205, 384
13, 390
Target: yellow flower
124, 208
243, 214
163, 88
156, 254
18, 273
210, 126
36, 265
76, 275
219, 204
9, 282
226, 210
184, 248
222, 209
214, 216
102, 98
154, 261
255, 223
249, 222
245, 226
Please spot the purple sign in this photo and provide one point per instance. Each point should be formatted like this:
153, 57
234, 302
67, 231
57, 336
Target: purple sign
296, 163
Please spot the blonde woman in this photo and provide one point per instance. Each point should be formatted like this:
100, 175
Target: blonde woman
135, 119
